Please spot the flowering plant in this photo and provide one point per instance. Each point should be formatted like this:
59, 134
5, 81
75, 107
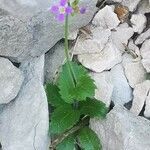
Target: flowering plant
72, 97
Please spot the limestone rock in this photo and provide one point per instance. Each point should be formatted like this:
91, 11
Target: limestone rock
144, 7
104, 86
142, 37
104, 60
145, 52
53, 60
121, 36
94, 44
140, 94
122, 92
147, 106
138, 22
134, 72
103, 20
29, 30
24, 121
11, 79
122, 130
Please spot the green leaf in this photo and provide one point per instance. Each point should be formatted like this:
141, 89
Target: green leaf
88, 139
84, 88
63, 118
67, 144
93, 108
53, 95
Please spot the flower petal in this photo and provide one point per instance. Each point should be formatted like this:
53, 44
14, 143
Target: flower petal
82, 10
61, 17
55, 9
63, 2
69, 10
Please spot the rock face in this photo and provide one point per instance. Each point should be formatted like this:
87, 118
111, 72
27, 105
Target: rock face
11, 79
123, 131
145, 52
122, 92
24, 121
29, 29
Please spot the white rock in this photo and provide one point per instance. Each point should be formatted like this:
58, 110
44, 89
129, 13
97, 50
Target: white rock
122, 92
122, 130
144, 7
24, 121
53, 61
104, 86
103, 20
145, 52
138, 22
11, 79
92, 45
73, 35
134, 72
121, 36
131, 4
104, 60
140, 94
147, 106
142, 37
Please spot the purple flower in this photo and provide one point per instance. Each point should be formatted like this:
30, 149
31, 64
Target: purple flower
61, 9
82, 10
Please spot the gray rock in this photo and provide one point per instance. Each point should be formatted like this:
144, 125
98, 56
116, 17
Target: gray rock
140, 95
105, 60
104, 86
11, 79
144, 7
28, 29
131, 4
122, 130
138, 22
145, 52
103, 20
147, 106
134, 72
142, 37
53, 60
122, 92
24, 121
121, 36
94, 44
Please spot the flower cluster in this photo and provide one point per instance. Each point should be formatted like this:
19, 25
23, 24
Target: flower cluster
63, 8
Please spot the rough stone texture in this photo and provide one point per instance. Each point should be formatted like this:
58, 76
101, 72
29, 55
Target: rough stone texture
121, 36
134, 72
138, 22
11, 79
53, 60
103, 20
24, 121
147, 106
131, 4
145, 52
94, 44
144, 7
104, 60
104, 86
28, 29
142, 37
122, 92
122, 130
140, 94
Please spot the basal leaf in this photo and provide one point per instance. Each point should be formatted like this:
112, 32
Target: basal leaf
88, 139
84, 88
53, 95
63, 118
93, 108
67, 144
